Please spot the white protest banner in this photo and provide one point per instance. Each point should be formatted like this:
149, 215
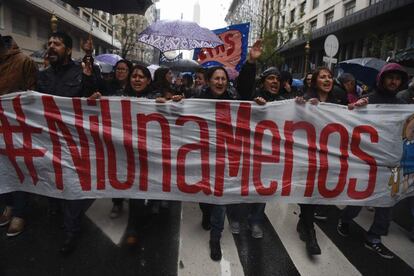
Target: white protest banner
204, 150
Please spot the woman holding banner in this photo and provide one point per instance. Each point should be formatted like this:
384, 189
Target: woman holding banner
140, 86
268, 91
321, 91
218, 89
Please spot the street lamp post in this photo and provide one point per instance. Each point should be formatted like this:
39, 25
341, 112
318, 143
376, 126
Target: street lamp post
53, 23
307, 51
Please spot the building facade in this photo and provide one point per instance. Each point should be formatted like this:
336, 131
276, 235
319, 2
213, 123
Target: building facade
364, 28
127, 28
28, 21
244, 11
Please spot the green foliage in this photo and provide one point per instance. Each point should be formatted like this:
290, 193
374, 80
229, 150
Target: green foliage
270, 57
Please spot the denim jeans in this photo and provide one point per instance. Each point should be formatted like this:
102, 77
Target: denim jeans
380, 225
256, 213
218, 213
307, 212
73, 211
137, 212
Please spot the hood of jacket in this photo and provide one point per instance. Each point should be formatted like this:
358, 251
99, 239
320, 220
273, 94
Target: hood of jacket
387, 68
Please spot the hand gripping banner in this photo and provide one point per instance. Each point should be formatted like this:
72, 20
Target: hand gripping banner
206, 151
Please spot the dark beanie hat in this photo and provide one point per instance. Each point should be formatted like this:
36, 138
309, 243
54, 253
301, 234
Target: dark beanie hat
269, 71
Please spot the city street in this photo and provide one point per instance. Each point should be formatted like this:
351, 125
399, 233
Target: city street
173, 243
215, 101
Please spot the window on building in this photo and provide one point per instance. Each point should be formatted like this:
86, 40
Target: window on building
312, 25
292, 16
300, 32
329, 17
349, 8
103, 28
86, 16
302, 9
315, 4
372, 2
43, 29
110, 32
21, 23
95, 23
282, 22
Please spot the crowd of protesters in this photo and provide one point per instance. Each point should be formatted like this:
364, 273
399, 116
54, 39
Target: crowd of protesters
67, 78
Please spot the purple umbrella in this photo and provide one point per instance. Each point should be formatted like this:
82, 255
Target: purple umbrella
168, 35
114, 6
108, 58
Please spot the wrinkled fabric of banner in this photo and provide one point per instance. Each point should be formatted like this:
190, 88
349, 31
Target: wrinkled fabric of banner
205, 150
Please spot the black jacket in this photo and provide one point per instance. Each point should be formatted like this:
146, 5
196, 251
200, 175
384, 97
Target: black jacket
269, 97
245, 82
66, 81
229, 94
336, 98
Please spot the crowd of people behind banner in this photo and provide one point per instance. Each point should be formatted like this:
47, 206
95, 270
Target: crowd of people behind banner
67, 78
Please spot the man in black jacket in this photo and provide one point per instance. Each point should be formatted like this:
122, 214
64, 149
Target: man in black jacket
390, 80
67, 78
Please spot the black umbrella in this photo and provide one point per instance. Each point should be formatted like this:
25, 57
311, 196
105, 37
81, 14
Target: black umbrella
114, 6
183, 65
363, 69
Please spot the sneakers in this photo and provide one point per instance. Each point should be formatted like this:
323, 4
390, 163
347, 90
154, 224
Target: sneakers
215, 250
116, 211
6, 216
16, 227
235, 227
343, 228
380, 249
320, 215
257, 231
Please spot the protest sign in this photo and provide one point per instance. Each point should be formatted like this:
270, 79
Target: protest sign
205, 150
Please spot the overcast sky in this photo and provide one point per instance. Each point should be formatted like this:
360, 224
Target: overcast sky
212, 12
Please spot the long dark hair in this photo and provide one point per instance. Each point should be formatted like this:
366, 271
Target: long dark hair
160, 80
315, 75
146, 73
